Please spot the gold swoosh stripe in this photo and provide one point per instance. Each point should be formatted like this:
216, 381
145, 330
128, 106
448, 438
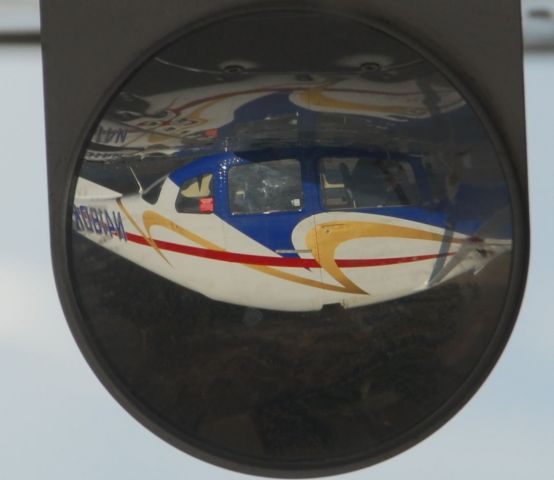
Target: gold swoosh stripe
317, 97
325, 238
152, 219
146, 236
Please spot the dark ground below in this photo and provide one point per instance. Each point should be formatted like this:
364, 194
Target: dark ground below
277, 387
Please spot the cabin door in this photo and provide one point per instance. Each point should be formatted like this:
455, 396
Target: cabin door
266, 201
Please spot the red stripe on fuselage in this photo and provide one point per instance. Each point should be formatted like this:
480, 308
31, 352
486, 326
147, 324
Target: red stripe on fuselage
276, 261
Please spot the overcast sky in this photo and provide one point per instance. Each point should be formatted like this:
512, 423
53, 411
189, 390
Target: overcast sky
58, 422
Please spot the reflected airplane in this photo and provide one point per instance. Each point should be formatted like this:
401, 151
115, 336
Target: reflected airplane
296, 229
158, 124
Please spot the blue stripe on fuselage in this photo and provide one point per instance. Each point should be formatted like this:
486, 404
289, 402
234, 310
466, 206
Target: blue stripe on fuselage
473, 205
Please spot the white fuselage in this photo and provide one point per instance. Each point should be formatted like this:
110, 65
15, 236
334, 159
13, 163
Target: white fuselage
346, 258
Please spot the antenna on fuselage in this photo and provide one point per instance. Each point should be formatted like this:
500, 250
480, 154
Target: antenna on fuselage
140, 189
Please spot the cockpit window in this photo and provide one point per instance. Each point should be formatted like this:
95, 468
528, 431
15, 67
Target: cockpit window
152, 193
366, 183
196, 195
266, 187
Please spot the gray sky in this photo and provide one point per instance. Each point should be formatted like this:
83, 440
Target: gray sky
19, 15
58, 422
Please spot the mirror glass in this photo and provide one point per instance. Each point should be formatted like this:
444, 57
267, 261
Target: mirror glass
292, 242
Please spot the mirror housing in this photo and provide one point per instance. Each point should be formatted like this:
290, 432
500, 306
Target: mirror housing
90, 49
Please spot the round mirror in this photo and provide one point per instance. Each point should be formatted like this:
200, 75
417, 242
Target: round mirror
292, 243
